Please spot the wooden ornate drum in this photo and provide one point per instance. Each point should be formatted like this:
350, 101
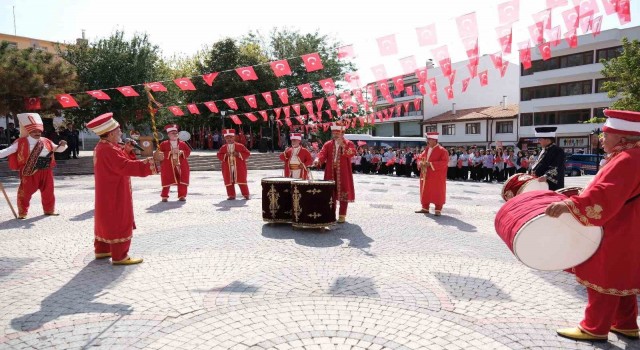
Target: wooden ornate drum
313, 203
570, 191
276, 199
521, 183
542, 242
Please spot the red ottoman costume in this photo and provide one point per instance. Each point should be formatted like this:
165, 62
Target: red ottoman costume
114, 222
175, 166
296, 160
234, 167
33, 158
433, 177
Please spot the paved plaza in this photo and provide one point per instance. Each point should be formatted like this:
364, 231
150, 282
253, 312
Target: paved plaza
216, 277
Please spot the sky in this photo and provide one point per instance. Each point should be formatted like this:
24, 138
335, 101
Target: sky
184, 27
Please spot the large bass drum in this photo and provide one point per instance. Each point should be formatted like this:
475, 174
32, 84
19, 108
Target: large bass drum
521, 183
276, 199
313, 203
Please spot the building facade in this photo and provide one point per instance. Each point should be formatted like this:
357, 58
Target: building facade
566, 90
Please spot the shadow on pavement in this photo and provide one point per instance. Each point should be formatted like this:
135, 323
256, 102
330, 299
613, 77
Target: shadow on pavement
84, 216
26, 223
470, 288
317, 239
228, 204
164, 206
446, 220
354, 286
77, 297
10, 265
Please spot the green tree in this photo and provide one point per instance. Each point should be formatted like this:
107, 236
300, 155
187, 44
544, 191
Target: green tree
26, 73
113, 62
624, 72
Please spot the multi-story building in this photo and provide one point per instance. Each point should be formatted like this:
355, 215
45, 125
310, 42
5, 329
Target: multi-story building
566, 90
22, 42
483, 127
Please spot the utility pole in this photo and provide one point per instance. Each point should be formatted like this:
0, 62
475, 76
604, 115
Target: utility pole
15, 32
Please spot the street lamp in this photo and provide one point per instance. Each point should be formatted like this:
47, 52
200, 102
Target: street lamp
271, 125
597, 132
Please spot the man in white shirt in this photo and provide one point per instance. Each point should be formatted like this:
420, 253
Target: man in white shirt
32, 155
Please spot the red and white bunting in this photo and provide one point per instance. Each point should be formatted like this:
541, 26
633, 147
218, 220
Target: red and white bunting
193, 109
280, 68
127, 91
284, 95
176, 111
212, 106
251, 101
264, 115
235, 119
427, 35
327, 85
305, 90
287, 111
296, 108
66, 101
387, 45
251, 117
99, 95
231, 103
210, 77
267, 98
156, 86
312, 62
184, 84
246, 73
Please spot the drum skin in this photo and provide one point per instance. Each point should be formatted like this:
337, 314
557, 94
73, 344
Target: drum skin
313, 203
276, 199
520, 183
542, 242
570, 191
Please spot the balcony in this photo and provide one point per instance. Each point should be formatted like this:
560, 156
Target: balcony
565, 102
562, 75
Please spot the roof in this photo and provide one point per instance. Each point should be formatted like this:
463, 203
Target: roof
494, 112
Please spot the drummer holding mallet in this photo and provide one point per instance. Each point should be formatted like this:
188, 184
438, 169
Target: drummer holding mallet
611, 200
549, 167
175, 166
296, 158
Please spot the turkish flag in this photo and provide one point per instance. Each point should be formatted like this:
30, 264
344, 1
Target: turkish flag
503, 69
288, 121
434, 98
467, 25
544, 17
333, 103
280, 68
571, 18
327, 85
284, 95
251, 117
408, 90
212, 106
587, 6
408, 64
554, 36
387, 45
496, 58
193, 109
209, 78
471, 46
353, 79
505, 38
445, 66
440, 53
537, 33
99, 95
346, 52
572, 38
416, 103
176, 111
525, 57
509, 12
309, 106
623, 8
484, 78
427, 35
452, 77
231, 103
465, 84
371, 91
127, 91
235, 119
251, 101
156, 87
398, 84
319, 103
278, 111
556, 3
32, 104
247, 73
66, 101
585, 22
421, 74
184, 84
383, 86
264, 115
545, 50
449, 91
433, 85
287, 111
596, 25
267, 98
422, 88
358, 95
389, 99
379, 72
312, 62
473, 69
296, 108
609, 6
305, 90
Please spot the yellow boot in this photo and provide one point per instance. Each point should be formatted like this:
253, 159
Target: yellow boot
127, 261
625, 333
342, 219
578, 334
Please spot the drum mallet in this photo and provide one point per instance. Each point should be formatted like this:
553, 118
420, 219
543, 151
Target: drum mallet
8, 201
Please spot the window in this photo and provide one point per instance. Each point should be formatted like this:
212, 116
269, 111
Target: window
556, 90
473, 128
599, 112
609, 53
504, 127
11, 44
600, 83
575, 88
544, 118
448, 129
572, 60
431, 128
573, 116
526, 119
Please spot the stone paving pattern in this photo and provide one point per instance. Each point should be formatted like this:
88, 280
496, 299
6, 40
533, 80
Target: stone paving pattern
216, 277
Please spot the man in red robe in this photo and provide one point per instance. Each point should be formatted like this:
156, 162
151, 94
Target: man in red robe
612, 201
433, 163
296, 158
113, 167
233, 156
32, 156
337, 154
175, 166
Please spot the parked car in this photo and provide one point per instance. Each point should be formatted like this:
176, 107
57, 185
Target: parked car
578, 164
